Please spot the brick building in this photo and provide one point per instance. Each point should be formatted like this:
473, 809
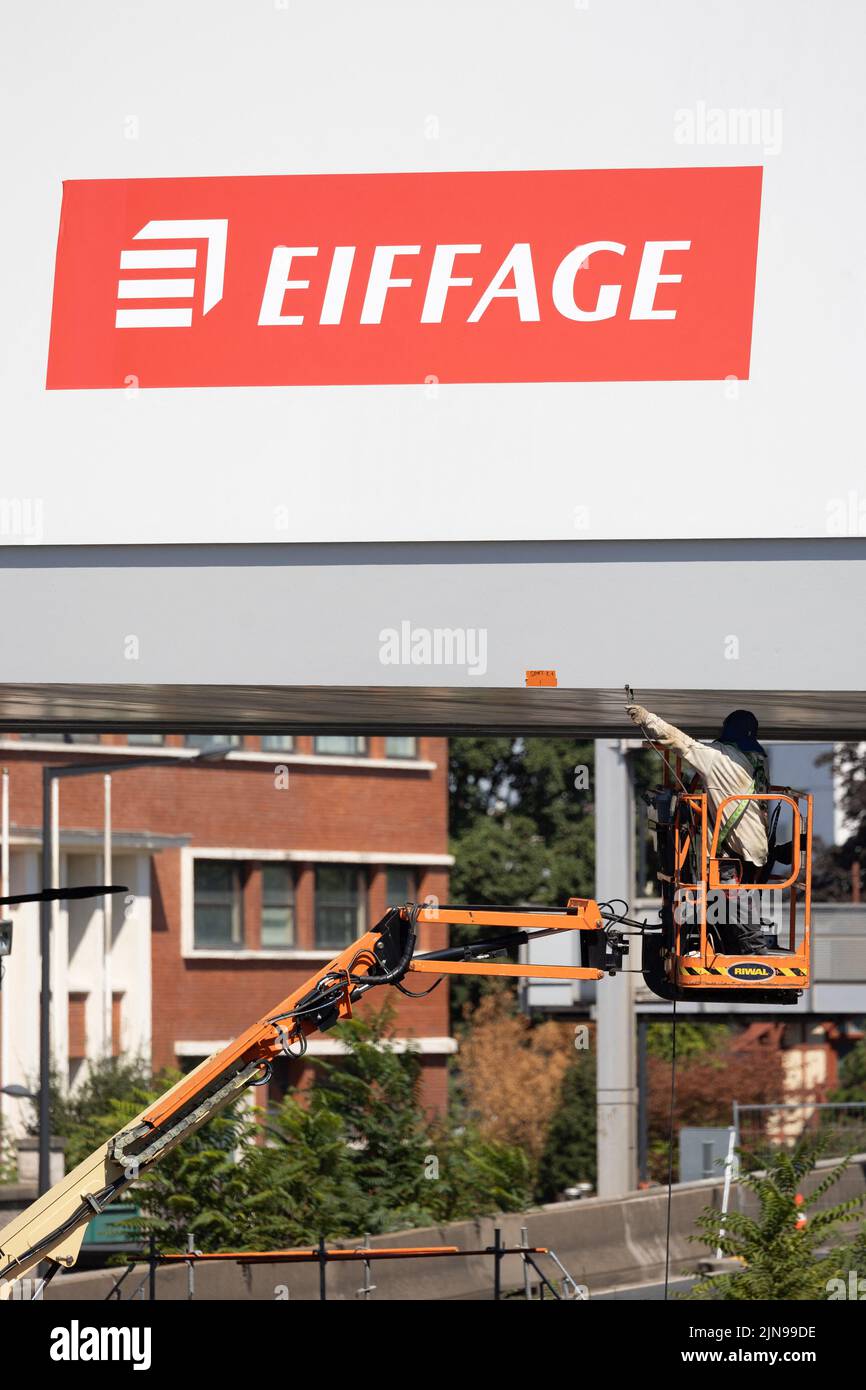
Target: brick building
246, 872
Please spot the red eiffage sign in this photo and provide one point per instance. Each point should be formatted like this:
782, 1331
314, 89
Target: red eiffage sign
343, 279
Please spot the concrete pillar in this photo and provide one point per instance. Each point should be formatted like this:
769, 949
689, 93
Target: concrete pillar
615, 1016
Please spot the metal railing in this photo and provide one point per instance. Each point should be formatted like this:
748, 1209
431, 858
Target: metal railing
535, 1282
839, 1126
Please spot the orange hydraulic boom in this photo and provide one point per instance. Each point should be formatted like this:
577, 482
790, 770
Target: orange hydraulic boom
53, 1227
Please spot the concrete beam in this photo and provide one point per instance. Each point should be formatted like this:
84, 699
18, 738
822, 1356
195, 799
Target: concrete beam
664, 615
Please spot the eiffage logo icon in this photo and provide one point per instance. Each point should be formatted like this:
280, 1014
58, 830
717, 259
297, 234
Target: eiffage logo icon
213, 232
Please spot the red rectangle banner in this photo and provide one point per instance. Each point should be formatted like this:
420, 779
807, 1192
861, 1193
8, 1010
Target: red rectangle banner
340, 279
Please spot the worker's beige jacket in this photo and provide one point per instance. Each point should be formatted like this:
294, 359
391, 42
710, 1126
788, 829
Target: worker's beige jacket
725, 771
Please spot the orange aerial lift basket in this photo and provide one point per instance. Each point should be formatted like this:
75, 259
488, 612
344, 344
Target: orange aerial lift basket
728, 930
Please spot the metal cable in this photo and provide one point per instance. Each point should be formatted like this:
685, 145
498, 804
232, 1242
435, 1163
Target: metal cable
671, 1143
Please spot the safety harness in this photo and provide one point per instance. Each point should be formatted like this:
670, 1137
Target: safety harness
759, 783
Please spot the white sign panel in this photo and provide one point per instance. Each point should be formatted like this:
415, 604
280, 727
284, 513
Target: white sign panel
339, 272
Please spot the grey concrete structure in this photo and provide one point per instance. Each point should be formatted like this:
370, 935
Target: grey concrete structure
767, 619
615, 1037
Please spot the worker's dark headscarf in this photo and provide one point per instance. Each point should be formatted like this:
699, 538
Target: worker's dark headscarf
741, 729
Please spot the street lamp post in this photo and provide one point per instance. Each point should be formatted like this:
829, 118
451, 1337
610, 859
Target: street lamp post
45, 910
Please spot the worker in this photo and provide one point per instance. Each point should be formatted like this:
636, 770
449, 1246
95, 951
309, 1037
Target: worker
735, 764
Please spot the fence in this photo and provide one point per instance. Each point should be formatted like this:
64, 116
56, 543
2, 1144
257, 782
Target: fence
762, 1130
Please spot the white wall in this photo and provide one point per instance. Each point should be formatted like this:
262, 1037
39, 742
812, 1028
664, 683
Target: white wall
77, 966
21, 987
131, 953
105, 89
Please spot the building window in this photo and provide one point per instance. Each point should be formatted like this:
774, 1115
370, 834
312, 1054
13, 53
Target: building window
347, 745
218, 914
277, 743
145, 739
400, 886
401, 746
52, 736
340, 905
187, 1063
116, 1023
77, 1014
278, 907
212, 740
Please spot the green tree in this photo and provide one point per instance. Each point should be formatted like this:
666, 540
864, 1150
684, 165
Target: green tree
74, 1112
693, 1039
478, 768
852, 1076
358, 1153
205, 1186
570, 1152
202, 1186
473, 1176
522, 830
521, 819
8, 1157
374, 1090
780, 1246
499, 860
833, 864
844, 1130
303, 1179
329, 1167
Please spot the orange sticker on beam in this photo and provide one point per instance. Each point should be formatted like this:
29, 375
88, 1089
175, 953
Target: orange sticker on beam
541, 678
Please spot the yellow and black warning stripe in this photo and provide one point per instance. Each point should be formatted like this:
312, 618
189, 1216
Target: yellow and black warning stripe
791, 971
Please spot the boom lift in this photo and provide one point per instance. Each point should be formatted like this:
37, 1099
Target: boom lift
684, 956
52, 1228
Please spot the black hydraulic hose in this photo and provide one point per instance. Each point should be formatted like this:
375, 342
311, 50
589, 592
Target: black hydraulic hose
495, 943
399, 970
330, 988
616, 920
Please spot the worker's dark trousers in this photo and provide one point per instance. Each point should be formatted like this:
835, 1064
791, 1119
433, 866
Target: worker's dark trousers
741, 931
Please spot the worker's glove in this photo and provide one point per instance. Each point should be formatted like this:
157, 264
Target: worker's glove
637, 714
